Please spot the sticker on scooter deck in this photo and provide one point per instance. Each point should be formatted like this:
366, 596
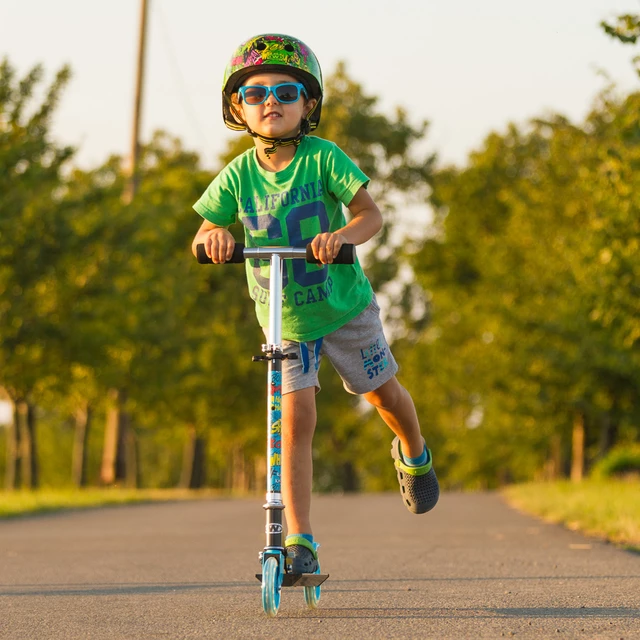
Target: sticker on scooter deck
301, 579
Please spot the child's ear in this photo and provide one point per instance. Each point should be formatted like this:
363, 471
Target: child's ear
309, 106
237, 107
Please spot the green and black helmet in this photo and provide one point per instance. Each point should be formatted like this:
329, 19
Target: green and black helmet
271, 52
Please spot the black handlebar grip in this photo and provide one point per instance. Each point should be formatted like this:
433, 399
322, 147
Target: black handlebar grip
201, 255
346, 255
236, 258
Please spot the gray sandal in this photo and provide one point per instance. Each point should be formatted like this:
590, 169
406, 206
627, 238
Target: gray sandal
302, 555
418, 485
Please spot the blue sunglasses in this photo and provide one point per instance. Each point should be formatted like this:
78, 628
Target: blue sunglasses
286, 93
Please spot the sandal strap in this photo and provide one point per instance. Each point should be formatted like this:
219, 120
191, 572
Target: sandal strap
415, 471
312, 546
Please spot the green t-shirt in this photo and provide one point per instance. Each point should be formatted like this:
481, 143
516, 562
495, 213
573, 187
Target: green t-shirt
289, 208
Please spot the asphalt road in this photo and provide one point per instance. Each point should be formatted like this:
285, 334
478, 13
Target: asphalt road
472, 568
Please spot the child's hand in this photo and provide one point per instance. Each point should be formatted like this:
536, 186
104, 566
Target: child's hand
325, 246
219, 244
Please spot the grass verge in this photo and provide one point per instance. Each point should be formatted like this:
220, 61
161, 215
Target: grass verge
20, 503
607, 509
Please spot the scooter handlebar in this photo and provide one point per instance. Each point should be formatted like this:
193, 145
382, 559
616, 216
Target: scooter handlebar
346, 255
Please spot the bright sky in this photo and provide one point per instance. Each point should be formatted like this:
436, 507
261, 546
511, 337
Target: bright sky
467, 66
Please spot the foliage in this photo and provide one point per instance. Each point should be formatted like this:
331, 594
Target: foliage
34, 229
520, 311
162, 321
627, 30
621, 460
531, 273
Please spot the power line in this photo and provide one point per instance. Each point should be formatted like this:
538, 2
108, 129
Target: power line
187, 105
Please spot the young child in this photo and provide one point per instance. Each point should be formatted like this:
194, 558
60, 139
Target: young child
290, 190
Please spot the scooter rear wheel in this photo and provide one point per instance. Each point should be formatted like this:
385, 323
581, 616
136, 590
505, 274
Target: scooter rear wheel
312, 594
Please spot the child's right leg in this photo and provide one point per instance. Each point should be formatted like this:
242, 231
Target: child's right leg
298, 426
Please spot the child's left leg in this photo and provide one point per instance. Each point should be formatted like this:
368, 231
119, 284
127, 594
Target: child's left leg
396, 408
418, 482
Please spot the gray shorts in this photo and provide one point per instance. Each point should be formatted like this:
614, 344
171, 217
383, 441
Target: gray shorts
358, 351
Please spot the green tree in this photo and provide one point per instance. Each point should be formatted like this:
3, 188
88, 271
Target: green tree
144, 324
33, 230
626, 29
534, 312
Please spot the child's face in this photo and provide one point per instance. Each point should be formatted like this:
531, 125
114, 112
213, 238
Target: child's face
274, 119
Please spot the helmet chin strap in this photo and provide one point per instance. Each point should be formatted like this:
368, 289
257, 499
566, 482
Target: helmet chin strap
305, 127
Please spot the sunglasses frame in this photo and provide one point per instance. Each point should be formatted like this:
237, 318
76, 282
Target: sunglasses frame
272, 91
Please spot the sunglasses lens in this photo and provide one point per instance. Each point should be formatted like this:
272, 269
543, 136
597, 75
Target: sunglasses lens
287, 93
254, 95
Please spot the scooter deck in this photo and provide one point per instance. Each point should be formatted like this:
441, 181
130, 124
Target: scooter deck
300, 579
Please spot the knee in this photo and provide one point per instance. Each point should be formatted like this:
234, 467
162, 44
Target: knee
299, 414
386, 397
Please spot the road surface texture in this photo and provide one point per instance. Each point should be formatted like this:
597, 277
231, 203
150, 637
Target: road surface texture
472, 568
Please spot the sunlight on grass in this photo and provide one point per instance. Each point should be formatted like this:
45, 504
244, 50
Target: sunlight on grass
17, 503
608, 509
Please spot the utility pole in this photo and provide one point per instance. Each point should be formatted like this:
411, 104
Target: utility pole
118, 453
132, 184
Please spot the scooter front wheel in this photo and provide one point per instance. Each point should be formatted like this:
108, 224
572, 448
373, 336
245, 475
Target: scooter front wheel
271, 586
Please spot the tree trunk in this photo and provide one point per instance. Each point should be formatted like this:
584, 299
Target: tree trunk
110, 446
118, 454
81, 433
27, 426
188, 458
608, 434
554, 466
237, 471
13, 471
192, 475
349, 477
260, 473
130, 471
577, 448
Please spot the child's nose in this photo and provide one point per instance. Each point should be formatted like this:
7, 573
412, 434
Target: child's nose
271, 99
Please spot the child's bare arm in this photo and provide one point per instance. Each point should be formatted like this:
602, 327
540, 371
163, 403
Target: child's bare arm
366, 221
218, 242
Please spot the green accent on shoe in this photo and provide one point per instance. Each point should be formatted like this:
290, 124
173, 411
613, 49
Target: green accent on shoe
293, 540
415, 471
412, 471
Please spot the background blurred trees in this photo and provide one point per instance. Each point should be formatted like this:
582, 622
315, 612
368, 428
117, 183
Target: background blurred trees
533, 274
515, 312
31, 223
